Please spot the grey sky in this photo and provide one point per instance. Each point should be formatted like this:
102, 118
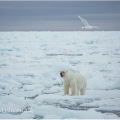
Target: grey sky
54, 15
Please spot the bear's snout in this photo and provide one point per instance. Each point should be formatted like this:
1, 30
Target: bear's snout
61, 75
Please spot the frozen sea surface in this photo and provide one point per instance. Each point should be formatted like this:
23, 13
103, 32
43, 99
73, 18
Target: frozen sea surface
30, 85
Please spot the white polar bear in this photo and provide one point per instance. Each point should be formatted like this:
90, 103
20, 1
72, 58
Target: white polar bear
76, 81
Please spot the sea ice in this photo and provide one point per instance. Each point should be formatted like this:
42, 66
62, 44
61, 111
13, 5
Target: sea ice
30, 76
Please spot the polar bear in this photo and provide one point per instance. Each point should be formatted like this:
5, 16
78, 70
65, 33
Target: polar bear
76, 81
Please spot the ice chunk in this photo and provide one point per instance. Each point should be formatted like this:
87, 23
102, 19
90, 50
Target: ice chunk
67, 105
116, 85
89, 105
7, 90
24, 115
3, 85
14, 84
38, 86
50, 91
66, 114
51, 117
88, 75
101, 62
97, 82
28, 87
30, 94
13, 99
58, 66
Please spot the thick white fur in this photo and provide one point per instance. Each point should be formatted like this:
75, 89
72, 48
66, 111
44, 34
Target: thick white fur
76, 81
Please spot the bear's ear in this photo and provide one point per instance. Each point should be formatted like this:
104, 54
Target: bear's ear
66, 71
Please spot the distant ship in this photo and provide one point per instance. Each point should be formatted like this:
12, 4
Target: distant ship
87, 26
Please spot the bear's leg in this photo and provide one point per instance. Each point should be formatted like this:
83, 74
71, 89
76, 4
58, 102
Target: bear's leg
66, 88
73, 88
77, 92
82, 91
78, 89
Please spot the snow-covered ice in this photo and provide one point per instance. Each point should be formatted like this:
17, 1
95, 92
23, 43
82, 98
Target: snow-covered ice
30, 84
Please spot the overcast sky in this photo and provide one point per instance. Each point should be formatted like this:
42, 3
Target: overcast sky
54, 15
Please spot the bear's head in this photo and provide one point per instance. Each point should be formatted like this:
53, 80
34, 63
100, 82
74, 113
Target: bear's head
62, 73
